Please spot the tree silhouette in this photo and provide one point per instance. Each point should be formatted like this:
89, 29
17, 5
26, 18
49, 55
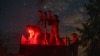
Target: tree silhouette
90, 34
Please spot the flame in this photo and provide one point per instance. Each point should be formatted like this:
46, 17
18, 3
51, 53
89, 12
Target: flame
35, 38
31, 33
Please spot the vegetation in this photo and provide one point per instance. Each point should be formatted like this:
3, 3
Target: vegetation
90, 34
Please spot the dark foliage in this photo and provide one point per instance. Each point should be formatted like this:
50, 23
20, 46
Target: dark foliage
90, 34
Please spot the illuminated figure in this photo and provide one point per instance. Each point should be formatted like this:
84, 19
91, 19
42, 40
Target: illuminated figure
54, 29
42, 17
65, 40
49, 18
74, 44
33, 35
37, 43
43, 20
30, 31
74, 38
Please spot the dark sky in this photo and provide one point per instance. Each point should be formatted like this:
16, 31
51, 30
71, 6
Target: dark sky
16, 14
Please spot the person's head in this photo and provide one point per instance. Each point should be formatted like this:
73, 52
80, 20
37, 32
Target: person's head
40, 13
55, 17
74, 34
29, 29
49, 14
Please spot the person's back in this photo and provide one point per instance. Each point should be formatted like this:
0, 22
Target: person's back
54, 29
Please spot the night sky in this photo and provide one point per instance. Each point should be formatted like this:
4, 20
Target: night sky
16, 14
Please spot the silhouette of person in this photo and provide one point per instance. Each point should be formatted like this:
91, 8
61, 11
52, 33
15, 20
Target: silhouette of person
49, 18
74, 44
65, 40
54, 29
42, 17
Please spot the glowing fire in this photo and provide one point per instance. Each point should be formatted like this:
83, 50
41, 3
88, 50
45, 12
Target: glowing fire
35, 38
31, 33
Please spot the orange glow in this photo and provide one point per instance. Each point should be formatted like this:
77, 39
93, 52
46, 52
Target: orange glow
33, 37
31, 33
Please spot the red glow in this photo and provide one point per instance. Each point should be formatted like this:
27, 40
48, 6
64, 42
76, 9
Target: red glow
49, 15
23, 39
65, 40
74, 38
45, 37
31, 33
35, 36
